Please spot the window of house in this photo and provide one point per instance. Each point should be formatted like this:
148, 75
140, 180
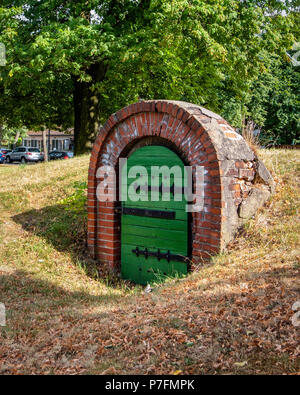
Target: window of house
66, 144
57, 145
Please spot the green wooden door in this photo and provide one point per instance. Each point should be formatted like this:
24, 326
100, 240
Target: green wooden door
154, 234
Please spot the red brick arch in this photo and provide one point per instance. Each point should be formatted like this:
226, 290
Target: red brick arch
187, 129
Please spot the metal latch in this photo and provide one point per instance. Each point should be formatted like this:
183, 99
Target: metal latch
159, 255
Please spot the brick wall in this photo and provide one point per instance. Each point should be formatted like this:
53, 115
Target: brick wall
199, 137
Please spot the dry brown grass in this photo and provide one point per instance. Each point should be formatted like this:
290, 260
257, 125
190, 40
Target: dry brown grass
248, 134
233, 316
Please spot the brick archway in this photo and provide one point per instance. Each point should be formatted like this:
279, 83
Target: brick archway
200, 138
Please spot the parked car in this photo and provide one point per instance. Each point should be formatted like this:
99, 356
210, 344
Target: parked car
5, 151
24, 155
54, 155
2, 157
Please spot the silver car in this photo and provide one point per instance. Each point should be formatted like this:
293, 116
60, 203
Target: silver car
24, 155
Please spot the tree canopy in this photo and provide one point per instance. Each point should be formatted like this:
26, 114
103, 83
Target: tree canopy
73, 63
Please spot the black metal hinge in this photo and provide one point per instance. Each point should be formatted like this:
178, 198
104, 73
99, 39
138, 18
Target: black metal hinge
159, 255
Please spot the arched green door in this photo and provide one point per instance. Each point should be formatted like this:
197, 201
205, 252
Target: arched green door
154, 228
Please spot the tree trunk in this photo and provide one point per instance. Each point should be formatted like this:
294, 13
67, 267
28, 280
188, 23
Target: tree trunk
1, 134
87, 110
45, 146
16, 139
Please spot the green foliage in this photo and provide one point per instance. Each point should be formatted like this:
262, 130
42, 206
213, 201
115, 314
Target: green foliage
102, 55
77, 202
272, 104
12, 135
203, 46
283, 105
30, 94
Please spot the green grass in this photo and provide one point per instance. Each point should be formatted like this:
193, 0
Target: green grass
64, 315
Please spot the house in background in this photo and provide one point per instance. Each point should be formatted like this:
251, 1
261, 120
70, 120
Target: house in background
55, 140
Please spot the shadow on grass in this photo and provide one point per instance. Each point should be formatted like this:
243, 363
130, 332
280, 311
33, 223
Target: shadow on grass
66, 232
24, 286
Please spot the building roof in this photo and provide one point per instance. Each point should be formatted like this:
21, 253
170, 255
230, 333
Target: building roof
53, 133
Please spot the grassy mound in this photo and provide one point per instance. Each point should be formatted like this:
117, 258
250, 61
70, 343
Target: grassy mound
233, 316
